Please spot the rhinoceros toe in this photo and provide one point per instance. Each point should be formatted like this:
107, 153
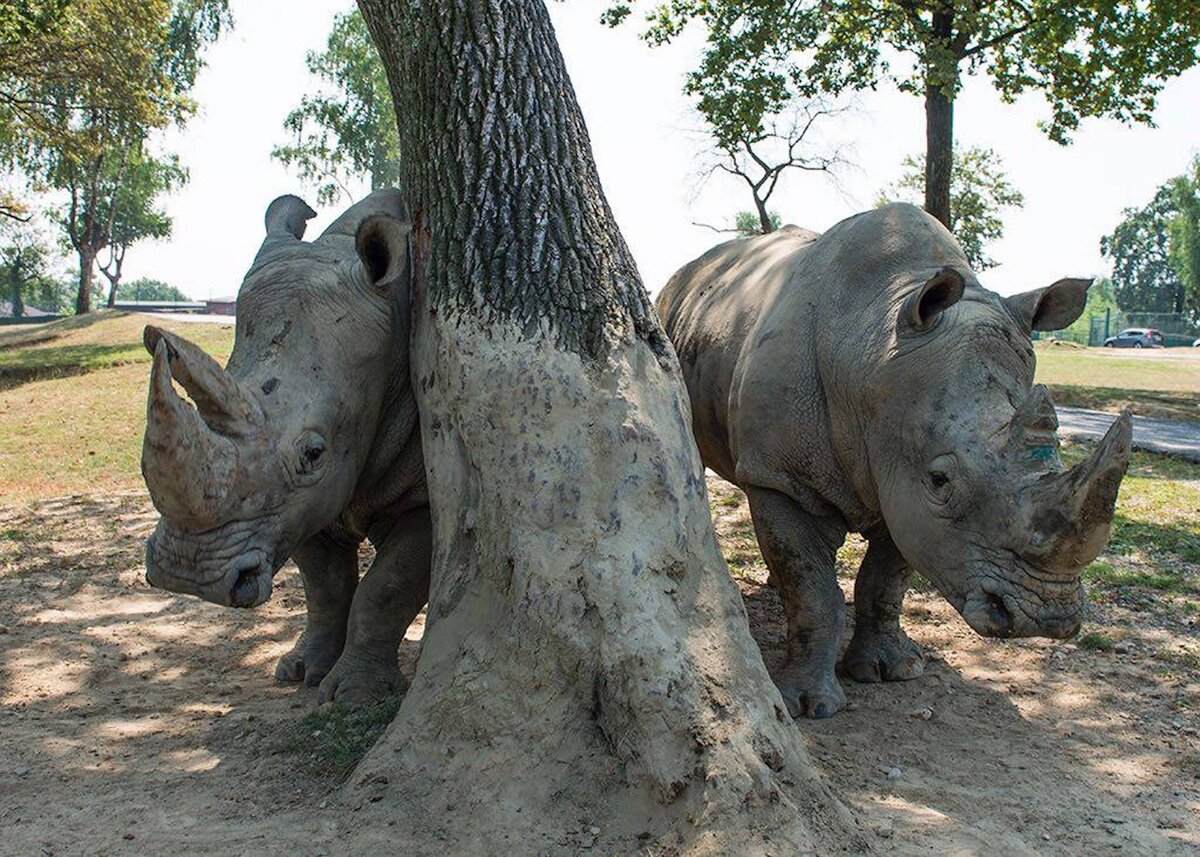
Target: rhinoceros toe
310, 659
876, 657
361, 681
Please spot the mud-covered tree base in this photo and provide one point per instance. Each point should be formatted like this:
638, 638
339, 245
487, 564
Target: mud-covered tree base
586, 658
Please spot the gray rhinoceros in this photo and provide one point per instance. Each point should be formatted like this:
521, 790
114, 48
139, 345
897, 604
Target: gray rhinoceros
863, 380
304, 445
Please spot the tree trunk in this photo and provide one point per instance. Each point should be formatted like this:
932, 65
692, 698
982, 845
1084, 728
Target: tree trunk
587, 658
15, 282
940, 88
83, 300
764, 217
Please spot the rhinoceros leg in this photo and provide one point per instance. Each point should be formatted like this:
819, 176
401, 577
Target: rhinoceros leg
329, 570
799, 550
879, 649
389, 597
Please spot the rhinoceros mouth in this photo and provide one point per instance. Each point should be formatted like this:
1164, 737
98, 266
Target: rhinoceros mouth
191, 565
1002, 607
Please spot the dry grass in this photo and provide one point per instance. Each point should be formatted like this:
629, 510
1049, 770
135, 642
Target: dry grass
1155, 383
72, 403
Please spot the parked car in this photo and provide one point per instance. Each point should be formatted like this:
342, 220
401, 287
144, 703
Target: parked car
1135, 337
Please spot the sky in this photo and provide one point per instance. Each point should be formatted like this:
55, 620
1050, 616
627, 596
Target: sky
650, 154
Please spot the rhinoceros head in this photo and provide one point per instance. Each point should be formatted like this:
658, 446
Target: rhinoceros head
268, 450
965, 456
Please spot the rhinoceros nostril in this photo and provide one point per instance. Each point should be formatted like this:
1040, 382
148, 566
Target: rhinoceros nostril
999, 615
245, 588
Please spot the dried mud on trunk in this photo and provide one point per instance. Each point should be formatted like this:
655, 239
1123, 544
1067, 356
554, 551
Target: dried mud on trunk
136, 721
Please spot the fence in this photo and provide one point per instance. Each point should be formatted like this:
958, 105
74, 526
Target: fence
1178, 329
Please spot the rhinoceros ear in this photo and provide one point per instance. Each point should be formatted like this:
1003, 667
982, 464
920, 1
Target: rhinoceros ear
288, 215
382, 245
1051, 308
923, 307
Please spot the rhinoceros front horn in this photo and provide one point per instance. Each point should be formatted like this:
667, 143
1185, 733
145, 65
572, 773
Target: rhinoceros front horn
1072, 510
187, 466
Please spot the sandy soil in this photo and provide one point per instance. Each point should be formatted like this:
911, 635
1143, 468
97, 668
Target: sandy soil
134, 721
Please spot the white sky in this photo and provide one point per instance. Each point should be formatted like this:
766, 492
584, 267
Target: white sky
645, 142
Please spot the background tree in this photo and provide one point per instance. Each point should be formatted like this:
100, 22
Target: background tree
136, 215
25, 256
75, 144
979, 193
147, 289
348, 132
1143, 277
62, 60
783, 145
1183, 232
1092, 58
586, 652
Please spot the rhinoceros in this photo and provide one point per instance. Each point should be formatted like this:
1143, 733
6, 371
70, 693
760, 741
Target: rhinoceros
864, 381
303, 446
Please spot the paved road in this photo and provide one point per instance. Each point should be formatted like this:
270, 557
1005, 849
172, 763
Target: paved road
190, 317
1171, 436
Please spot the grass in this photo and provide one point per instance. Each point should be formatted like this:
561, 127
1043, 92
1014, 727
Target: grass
333, 739
1163, 384
73, 401
1096, 641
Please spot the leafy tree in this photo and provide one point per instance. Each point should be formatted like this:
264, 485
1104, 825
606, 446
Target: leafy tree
1139, 248
60, 58
574, 562
1183, 231
75, 142
979, 192
348, 131
146, 289
749, 223
24, 262
136, 215
1092, 58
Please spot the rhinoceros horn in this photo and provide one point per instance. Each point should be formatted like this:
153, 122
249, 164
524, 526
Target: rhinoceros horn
1071, 510
189, 455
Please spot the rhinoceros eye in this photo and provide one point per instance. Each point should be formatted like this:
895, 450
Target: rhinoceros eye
310, 458
940, 478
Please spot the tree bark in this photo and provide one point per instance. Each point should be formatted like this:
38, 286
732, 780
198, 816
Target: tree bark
586, 657
940, 88
83, 300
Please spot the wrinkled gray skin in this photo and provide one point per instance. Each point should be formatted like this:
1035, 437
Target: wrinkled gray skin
303, 446
863, 381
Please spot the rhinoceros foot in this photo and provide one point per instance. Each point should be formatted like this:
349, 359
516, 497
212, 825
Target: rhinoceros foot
311, 659
357, 681
875, 656
814, 695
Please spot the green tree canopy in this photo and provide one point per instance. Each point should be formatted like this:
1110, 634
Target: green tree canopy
1093, 58
65, 129
1183, 232
1139, 247
349, 131
979, 193
147, 289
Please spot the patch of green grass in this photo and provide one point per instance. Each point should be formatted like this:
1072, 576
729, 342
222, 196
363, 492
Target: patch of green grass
1145, 403
334, 738
1096, 642
1166, 370
13, 535
1180, 658
1106, 575
111, 339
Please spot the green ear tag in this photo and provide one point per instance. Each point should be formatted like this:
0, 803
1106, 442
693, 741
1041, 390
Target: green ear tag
1042, 453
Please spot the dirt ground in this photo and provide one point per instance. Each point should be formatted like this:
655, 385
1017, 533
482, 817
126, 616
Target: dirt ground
135, 721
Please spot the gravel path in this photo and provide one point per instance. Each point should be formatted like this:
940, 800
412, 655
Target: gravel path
1174, 437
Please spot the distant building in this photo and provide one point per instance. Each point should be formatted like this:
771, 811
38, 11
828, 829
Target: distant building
222, 306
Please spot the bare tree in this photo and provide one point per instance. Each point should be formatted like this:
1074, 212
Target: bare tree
787, 143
